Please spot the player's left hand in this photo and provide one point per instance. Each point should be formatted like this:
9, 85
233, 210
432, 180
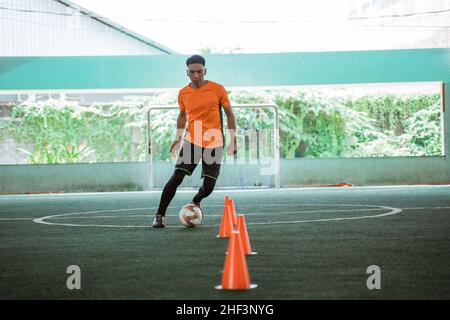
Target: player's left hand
232, 149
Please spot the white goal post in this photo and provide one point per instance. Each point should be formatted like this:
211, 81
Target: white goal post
251, 138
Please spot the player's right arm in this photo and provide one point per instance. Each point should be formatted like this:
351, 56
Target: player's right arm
181, 125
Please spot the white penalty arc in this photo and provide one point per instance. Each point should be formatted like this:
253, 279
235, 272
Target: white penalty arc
391, 211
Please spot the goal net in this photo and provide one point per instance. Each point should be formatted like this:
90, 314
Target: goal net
256, 164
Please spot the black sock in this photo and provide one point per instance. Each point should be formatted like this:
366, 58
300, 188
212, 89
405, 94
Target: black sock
205, 190
169, 190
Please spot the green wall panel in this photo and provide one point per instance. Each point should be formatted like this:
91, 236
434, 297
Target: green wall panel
282, 69
49, 73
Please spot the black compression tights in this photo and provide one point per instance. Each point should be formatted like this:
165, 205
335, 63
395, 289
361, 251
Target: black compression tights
174, 182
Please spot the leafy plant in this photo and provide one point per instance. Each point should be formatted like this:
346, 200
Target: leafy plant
71, 133
311, 125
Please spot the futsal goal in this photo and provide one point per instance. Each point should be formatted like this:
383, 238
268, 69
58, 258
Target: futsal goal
256, 164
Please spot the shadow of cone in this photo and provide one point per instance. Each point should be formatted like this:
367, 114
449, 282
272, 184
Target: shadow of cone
235, 275
226, 225
243, 234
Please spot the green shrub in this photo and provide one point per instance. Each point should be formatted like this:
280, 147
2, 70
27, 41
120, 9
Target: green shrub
311, 125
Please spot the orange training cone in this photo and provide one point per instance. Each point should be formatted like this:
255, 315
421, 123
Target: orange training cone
233, 211
243, 234
226, 226
235, 275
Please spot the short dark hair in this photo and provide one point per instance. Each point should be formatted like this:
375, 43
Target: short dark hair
195, 59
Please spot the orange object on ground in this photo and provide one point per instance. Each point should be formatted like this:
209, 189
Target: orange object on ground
342, 184
235, 275
243, 234
226, 225
232, 210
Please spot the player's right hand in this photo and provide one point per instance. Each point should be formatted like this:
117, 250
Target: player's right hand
175, 148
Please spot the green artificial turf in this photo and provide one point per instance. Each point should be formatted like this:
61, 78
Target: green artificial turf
303, 253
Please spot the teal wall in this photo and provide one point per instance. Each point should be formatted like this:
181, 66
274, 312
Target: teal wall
168, 71
294, 172
233, 71
72, 177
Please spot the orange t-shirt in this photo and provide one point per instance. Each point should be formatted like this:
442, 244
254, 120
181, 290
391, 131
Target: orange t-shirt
202, 106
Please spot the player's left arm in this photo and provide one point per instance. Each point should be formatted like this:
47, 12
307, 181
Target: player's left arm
231, 121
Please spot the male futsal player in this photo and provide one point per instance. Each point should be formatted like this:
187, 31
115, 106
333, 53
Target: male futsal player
201, 103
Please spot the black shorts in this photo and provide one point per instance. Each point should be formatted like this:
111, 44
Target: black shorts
190, 155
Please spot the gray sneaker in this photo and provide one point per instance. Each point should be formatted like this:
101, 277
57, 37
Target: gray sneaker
159, 221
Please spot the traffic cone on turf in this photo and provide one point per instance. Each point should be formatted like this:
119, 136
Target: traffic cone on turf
243, 234
232, 210
235, 275
226, 225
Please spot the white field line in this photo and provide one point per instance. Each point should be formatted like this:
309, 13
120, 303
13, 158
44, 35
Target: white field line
42, 220
214, 215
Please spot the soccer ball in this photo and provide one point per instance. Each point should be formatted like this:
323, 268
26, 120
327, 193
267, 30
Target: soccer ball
190, 215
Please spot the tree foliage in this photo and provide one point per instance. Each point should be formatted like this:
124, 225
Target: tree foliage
311, 125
